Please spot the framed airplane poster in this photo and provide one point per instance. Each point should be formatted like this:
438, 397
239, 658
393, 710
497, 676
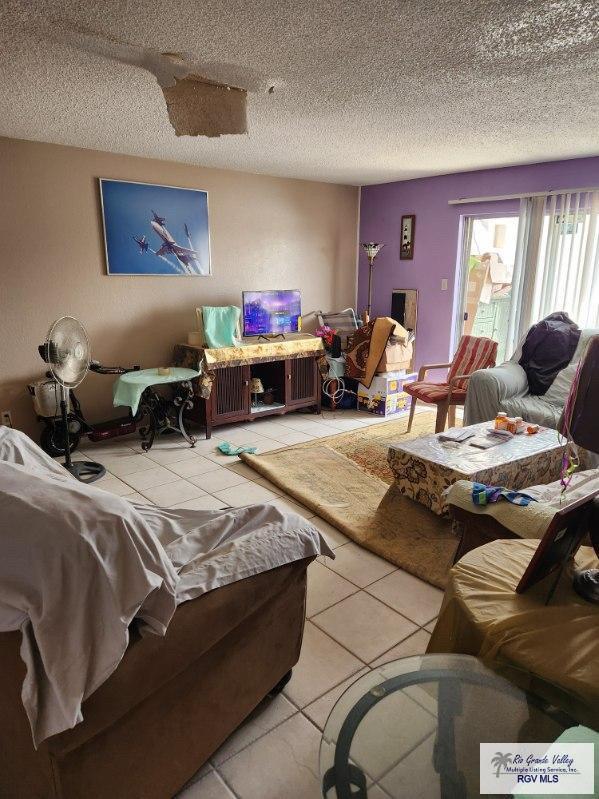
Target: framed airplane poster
155, 230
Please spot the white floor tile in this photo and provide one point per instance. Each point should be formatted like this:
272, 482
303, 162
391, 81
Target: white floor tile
138, 498
334, 537
364, 625
359, 565
293, 437
244, 470
414, 644
319, 710
343, 425
269, 445
415, 775
283, 763
388, 732
193, 466
113, 446
211, 786
221, 459
270, 427
173, 493
163, 442
245, 494
172, 454
217, 480
149, 478
243, 436
325, 588
262, 481
113, 485
319, 430
268, 715
323, 664
203, 503
121, 464
288, 505
412, 597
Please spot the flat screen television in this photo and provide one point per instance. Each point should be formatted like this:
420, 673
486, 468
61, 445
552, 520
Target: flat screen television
271, 312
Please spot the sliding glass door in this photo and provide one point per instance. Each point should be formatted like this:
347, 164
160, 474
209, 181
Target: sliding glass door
488, 263
516, 270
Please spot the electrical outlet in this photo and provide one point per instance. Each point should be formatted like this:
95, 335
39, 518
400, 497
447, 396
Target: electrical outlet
6, 418
444, 284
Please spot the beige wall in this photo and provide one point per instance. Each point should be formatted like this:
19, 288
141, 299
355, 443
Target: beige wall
265, 233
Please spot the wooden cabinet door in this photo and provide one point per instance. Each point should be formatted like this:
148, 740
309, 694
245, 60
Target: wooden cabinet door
303, 385
230, 398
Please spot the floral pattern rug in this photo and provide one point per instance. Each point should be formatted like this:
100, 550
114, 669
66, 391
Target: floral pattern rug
345, 479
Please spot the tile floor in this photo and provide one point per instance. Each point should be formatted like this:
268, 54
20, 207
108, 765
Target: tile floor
362, 611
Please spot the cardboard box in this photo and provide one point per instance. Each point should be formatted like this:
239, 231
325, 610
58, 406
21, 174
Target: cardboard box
396, 357
386, 396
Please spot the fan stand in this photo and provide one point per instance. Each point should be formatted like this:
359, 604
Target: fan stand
84, 471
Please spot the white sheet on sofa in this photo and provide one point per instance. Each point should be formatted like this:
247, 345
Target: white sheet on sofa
77, 564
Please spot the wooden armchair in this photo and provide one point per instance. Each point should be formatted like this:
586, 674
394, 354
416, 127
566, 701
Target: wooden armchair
473, 353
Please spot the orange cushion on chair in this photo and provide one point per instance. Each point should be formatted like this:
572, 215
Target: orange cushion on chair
434, 392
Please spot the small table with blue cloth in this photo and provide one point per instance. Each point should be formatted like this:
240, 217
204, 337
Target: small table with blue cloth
137, 390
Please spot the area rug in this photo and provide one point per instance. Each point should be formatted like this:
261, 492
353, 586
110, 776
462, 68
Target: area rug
346, 480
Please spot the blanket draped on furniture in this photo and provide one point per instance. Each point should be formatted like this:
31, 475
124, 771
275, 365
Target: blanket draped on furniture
367, 345
552, 650
78, 564
548, 348
506, 388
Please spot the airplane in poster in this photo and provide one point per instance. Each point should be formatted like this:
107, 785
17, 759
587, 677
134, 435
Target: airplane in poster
187, 257
142, 243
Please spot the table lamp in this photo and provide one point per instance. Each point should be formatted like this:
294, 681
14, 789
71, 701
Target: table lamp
579, 424
256, 388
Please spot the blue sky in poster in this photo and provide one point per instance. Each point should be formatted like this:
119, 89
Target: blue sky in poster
128, 213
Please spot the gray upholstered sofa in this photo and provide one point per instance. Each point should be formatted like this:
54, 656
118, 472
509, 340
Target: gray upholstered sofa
505, 388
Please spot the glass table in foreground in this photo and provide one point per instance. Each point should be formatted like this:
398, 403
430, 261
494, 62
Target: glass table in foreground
412, 728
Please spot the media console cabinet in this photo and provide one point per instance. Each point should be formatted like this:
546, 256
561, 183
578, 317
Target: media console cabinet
289, 370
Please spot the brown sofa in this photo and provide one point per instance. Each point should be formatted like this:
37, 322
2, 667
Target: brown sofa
171, 702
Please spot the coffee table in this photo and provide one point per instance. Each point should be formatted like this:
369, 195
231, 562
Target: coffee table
425, 467
413, 728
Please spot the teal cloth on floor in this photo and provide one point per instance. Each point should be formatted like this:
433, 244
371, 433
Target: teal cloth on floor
229, 449
128, 388
220, 325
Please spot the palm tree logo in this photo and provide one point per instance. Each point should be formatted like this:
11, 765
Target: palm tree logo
501, 761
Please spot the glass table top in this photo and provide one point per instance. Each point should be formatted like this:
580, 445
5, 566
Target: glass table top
464, 457
397, 729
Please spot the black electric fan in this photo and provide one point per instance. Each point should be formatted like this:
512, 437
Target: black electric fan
67, 352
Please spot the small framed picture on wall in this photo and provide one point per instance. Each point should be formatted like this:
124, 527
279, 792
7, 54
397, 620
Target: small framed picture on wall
406, 247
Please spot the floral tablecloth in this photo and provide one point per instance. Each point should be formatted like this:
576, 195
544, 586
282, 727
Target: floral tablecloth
425, 467
206, 359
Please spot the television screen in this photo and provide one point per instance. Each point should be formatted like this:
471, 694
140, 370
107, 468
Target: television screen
271, 312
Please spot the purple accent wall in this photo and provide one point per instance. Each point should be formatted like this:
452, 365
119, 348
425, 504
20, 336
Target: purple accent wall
437, 236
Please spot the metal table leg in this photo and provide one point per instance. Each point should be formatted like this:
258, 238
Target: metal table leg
165, 414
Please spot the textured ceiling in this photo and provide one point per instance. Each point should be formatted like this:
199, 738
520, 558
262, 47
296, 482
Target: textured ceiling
364, 92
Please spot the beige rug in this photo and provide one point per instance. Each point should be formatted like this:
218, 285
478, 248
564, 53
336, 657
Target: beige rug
345, 479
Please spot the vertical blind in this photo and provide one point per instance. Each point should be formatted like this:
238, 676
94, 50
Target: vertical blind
567, 269
557, 260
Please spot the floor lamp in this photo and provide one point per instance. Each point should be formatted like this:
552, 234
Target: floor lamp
371, 249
